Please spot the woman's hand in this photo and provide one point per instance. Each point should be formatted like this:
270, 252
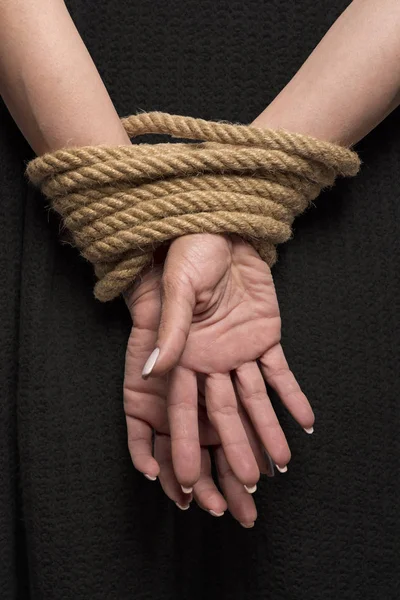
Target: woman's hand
220, 318
145, 404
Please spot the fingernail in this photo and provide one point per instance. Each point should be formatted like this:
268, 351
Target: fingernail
215, 514
309, 430
186, 490
182, 507
247, 525
281, 469
150, 477
150, 362
251, 490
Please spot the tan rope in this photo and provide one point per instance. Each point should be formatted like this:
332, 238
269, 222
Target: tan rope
120, 203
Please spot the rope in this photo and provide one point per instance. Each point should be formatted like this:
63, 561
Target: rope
120, 203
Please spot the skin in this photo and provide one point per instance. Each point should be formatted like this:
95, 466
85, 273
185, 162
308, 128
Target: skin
147, 403
227, 293
348, 85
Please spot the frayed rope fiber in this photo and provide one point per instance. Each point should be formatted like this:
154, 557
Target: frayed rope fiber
120, 203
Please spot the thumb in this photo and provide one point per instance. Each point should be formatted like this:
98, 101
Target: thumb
178, 300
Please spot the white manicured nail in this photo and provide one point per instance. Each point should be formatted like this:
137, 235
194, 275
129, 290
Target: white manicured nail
251, 490
215, 514
188, 490
182, 507
309, 430
150, 362
281, 469
247, 525
150, 477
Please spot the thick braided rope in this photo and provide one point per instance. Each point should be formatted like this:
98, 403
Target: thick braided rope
120, 203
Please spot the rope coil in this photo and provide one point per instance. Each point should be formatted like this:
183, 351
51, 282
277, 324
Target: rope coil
120, 203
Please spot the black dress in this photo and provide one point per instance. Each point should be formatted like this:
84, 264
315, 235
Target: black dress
77, 522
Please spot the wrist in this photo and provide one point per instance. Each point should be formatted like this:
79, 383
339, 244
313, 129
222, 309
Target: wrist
281, 115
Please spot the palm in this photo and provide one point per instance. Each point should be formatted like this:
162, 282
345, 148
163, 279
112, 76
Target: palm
239, 320
217, 325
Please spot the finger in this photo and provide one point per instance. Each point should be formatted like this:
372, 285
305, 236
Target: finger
168, 481
177, 304
140, 446
205, 492
279, 376
223, 413
253, 395
143, 399
240, 504
183, 424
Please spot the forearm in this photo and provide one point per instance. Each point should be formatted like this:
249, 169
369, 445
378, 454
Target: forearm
349, 83
49, 81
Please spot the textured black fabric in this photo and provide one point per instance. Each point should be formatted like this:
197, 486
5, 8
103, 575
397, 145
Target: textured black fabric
76, 521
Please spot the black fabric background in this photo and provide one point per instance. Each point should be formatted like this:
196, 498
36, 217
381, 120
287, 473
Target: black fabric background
76, 521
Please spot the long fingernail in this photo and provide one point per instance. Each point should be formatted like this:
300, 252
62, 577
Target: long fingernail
150, 362
215, 514
186, 490
281, 469
251, 490
309, 430
247, 525
150, 477
182, 507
